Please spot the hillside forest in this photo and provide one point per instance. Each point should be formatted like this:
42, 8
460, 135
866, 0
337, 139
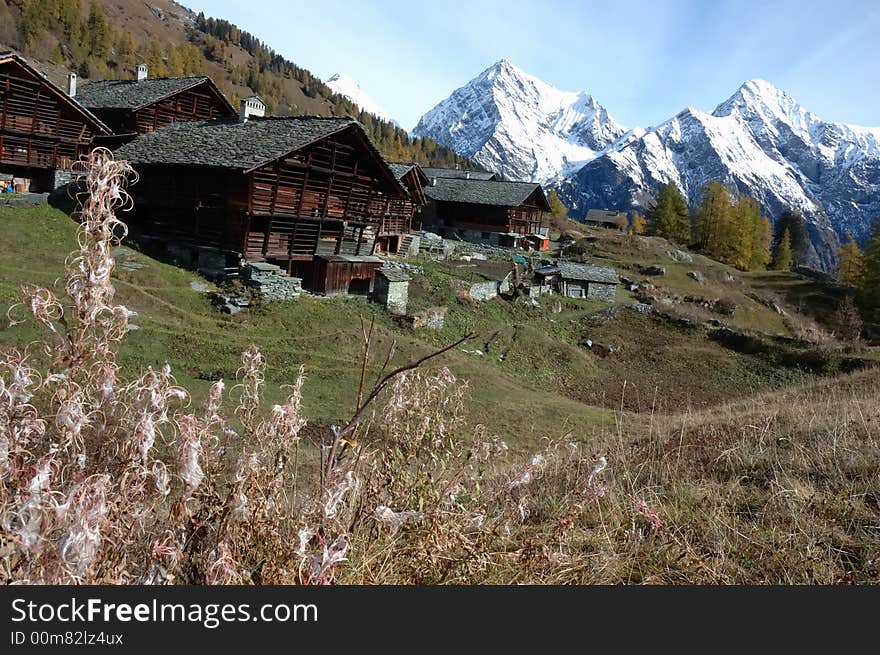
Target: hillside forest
86, 37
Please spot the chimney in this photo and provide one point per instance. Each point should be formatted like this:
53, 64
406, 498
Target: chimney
141, 72
251, 106
467, 175
71, 84
433, 181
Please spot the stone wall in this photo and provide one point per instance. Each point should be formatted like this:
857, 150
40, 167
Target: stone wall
398, 296
603, 292
61, 178
483, 290
432, 318
271, 282
393, 295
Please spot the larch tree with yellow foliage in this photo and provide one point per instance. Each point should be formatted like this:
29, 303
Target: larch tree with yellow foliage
850, 263
639, 225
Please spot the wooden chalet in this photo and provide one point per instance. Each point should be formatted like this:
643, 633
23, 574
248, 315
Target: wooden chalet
413, 179
288, 191
486, 211
43, 131
132, 107
606, 218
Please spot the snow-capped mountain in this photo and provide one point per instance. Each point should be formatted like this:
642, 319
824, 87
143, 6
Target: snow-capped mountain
519, 126
759, 142
344, 85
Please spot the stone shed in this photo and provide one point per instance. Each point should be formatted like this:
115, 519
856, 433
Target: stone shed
580, 280
391, 289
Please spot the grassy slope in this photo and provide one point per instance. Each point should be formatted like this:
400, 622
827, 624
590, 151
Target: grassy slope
178, 325
532, 381
778, 484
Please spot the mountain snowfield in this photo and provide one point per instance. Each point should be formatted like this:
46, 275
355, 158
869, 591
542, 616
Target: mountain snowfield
519, 126
759, 142
346, 86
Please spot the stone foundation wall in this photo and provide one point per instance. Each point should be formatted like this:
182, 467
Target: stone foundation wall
602, 292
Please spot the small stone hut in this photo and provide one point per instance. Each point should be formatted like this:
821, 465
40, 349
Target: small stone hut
391, 289
580, 280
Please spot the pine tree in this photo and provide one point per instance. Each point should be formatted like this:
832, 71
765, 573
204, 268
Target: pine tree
782, 255
871, 276
850, 263
762, 238
99, 32
669, 218
557, 208
797, 230
126, 55
34, 19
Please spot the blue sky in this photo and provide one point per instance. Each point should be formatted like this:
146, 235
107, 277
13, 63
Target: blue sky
644, 61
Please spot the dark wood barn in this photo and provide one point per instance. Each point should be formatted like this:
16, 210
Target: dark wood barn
282, 190
334, 275
43, 131
486, 211
132, 107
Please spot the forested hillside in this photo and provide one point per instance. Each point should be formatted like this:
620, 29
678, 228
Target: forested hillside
105, 39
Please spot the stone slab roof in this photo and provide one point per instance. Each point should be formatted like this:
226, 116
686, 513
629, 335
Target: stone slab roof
133, 94
484, 192
394, 274
222, 143
587, 273
603, 216
456, 173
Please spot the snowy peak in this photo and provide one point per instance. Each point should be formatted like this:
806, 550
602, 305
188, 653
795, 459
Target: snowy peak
759, 102
346, 86
520, 126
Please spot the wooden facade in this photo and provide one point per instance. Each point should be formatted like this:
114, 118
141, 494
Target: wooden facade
333, 196
322, 199
132, 107
334, 275
523, 219
42, 130
412, 178
486, 210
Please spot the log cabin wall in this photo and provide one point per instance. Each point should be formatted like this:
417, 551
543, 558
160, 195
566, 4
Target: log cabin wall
38, 128
202, 206
196, 104
466, 216
323, 199
333, 275
524, 219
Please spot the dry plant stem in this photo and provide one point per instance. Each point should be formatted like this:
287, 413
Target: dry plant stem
380, 384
